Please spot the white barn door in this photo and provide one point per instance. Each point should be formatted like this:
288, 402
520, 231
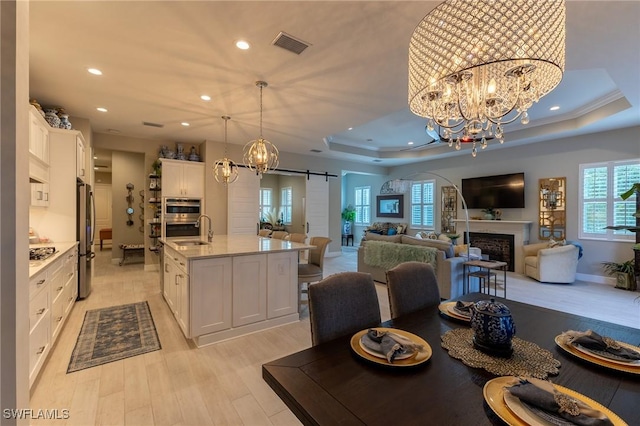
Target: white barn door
243, 207
317, 206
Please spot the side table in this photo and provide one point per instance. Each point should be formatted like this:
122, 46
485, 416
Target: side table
346, 238
483, 271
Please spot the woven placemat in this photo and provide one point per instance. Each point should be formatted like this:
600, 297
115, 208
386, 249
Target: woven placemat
528, 359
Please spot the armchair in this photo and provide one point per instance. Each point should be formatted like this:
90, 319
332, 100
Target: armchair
551, 264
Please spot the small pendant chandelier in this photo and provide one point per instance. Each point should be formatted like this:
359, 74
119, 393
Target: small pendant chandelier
225, 170
260, 155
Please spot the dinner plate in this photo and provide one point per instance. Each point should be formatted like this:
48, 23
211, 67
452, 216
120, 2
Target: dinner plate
416, 359
447, 309
494, 394
617, 360
602, 361
380, 355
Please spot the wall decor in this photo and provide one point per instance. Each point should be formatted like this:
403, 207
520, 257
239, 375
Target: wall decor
390, 206
130, 204
448, 209
552, 214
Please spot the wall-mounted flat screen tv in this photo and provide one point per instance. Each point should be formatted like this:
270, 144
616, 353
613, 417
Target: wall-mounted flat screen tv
500, 192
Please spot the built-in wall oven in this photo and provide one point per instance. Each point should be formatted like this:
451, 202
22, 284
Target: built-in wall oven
179, 217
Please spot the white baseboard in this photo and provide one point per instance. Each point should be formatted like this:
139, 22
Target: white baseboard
598, 279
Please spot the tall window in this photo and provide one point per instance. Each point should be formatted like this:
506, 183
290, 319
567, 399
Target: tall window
286, 204
266, 203
422, 205
363, 205
600, 202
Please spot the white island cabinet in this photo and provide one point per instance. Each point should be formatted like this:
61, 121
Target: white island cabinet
235, 285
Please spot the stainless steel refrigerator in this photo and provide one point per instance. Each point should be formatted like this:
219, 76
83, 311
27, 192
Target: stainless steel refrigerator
85, 214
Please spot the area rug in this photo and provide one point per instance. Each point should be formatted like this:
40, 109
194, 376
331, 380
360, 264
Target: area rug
112, 334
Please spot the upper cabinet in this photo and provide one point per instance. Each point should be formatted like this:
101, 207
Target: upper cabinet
182, 178
38, 146
81, 158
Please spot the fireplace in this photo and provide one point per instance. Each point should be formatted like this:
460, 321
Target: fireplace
496, 246
518, 230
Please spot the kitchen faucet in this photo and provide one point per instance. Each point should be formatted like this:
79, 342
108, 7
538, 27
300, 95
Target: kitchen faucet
210, 233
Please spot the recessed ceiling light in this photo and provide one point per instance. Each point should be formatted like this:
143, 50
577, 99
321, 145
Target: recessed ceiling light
242, 44
205, 97
94, 71
101, 109
554, 108
185, 124
350, 128
410, 143
95, 157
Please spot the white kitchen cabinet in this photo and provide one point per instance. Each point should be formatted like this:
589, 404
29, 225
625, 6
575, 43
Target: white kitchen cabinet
210, 295
170, 288
176, 288
182, 178
58, 221
182, 302
81, 159
282, 279
249, 289
70, 276
39, 194
38, 136
51, 297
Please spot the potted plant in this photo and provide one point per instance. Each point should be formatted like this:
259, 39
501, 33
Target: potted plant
623, 273
348, 215
635, 189
489, 213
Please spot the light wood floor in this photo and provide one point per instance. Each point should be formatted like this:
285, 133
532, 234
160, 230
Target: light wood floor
222, 384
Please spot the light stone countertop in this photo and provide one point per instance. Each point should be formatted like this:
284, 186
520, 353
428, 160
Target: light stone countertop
36, 266
232, 245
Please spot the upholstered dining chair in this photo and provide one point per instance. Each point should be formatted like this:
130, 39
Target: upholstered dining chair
411, 286
264, 232
342, 304
297, 238
279, 235
311, 271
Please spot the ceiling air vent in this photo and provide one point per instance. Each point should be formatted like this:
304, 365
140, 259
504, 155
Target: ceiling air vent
150, 124
290, 43
315, 150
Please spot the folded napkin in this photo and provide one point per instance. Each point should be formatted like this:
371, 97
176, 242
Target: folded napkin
463, 308
389, 344
542, 394
591, 340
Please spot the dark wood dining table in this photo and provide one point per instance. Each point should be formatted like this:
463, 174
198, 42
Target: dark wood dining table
330, 385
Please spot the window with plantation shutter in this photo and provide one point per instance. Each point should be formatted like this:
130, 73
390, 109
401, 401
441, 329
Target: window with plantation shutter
422, 205
265, 203
286, 204
600, 204
363, 205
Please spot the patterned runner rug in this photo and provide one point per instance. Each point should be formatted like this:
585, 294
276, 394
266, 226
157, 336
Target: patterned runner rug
114, 333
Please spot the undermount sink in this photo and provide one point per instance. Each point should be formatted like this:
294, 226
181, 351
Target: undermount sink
190, 243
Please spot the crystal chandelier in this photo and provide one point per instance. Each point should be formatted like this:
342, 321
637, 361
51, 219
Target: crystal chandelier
260, 155
476, 65
224, 170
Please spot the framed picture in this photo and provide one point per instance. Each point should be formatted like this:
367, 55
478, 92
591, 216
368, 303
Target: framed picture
390, 205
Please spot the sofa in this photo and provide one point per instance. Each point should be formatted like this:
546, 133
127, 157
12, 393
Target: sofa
383, 228
448, 267
549, 263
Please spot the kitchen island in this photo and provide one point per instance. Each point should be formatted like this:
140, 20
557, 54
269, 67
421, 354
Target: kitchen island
234, 285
